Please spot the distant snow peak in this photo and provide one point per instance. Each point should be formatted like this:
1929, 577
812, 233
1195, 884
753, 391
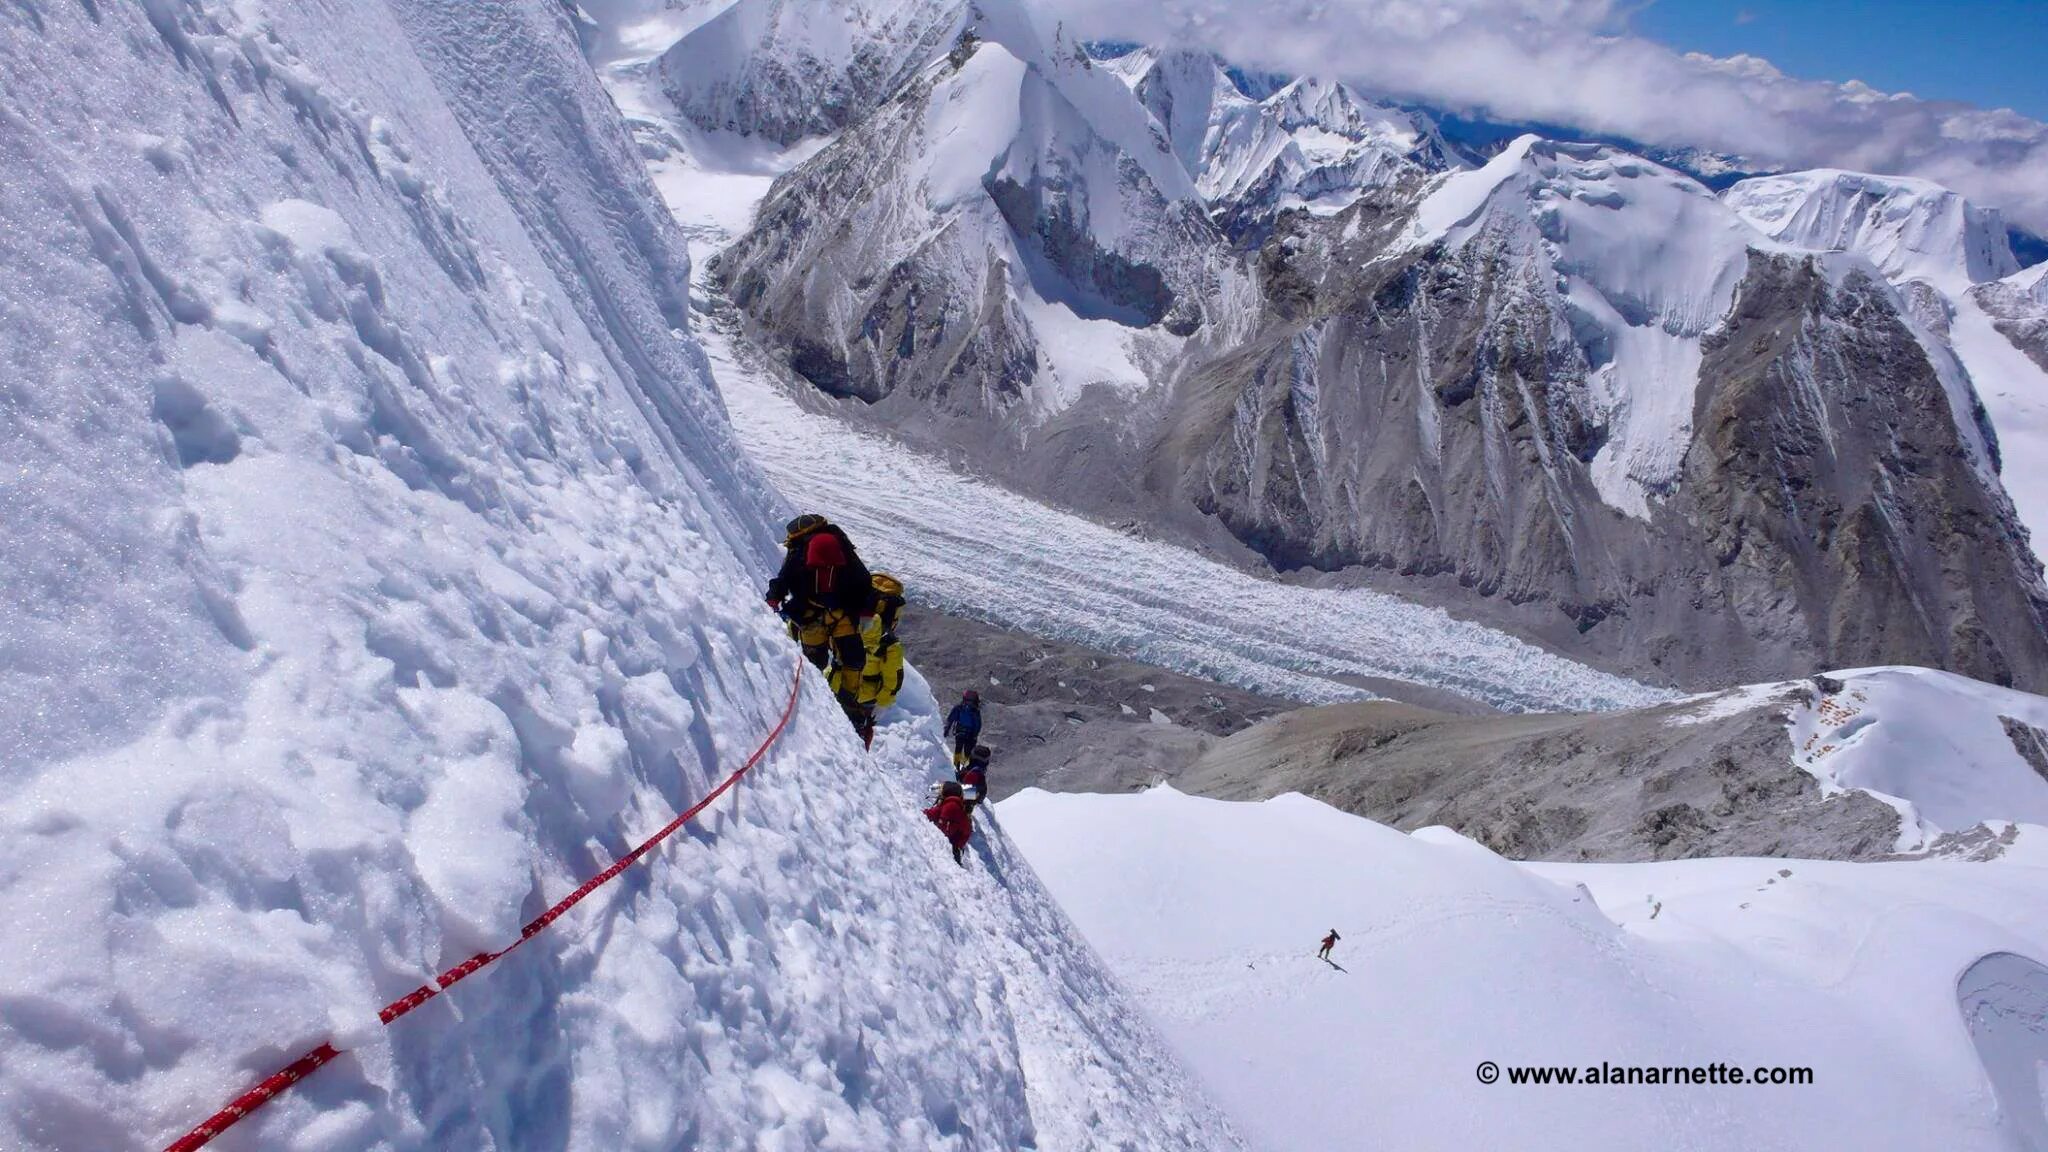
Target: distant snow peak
1642, 262
1911, 229
1313, 143
788, 70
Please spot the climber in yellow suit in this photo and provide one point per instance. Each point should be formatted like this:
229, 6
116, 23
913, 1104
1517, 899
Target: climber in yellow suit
882, 678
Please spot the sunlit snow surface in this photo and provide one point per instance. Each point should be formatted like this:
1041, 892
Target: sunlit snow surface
375, 564
1933, 745
1210, 912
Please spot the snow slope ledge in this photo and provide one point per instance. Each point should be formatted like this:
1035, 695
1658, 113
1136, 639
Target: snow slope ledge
379, 565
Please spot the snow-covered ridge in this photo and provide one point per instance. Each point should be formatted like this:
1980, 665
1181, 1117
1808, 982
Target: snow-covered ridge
791, 69
1210, 911
1946, 752
1911, 229
1644, 261
1313, 144
379, 565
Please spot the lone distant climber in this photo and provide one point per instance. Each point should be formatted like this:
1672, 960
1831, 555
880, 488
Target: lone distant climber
974, 778
949, 812
882, 675
963, 724
824, 591
1329, 942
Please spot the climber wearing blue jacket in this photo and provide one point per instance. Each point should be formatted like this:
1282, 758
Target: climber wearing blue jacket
963, 724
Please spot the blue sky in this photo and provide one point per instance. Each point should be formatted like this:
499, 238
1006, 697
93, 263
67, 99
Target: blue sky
1993, 53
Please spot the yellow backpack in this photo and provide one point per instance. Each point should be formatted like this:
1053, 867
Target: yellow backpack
883, 676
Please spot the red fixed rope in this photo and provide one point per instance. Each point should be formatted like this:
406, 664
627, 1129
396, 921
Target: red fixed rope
277, 1083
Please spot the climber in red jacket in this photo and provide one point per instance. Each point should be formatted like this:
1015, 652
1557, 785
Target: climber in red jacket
950, 813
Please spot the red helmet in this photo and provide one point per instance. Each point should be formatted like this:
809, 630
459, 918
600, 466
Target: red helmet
824, 551
971, 696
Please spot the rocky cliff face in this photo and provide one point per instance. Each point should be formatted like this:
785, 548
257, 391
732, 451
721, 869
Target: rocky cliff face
2018, 306
998, 234
1569, 390
1433, 426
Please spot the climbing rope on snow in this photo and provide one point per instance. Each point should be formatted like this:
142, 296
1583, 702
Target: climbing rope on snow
281, 1081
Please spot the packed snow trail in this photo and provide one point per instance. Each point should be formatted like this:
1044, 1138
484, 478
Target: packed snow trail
1210, 912
276, 1084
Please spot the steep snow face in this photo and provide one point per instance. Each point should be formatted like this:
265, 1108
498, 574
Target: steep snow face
1450, 956
1313, 144
379, 564
1911, 229
1947, 752
1638, 260
1998, 334
790, 69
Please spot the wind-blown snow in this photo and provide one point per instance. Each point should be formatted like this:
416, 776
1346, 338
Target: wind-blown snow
1645, 260
379, 563
1451, 956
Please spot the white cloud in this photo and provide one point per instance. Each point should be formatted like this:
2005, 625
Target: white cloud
1573, 61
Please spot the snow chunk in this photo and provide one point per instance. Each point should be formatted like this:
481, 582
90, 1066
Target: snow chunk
468, 840
310, 226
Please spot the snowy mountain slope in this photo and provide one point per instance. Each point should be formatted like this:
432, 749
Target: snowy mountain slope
1549, 391
1003, 250
789, 69
1947, 753
1911, 229
1998, 332
1452, 956
1306, 644
380, 564
1314, 144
